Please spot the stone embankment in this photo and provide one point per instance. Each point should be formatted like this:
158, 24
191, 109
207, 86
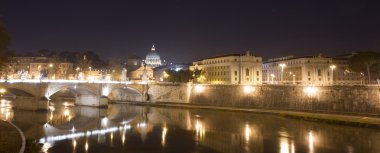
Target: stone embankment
350, 105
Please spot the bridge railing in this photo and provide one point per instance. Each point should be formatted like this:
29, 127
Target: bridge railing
70, 81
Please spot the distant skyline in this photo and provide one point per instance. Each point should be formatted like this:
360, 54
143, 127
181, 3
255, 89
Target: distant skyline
184, 31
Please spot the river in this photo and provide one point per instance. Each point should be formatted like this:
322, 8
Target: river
130, 128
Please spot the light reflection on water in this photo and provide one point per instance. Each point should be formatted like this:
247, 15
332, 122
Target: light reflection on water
126, 127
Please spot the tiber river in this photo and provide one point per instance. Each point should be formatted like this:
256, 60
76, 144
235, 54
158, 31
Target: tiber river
129, 128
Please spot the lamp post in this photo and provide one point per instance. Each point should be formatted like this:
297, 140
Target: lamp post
332, 67
77, 74
282, 65
294, 77
51, 70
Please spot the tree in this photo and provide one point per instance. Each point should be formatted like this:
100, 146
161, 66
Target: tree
116, 66
367, 62
198, 75
4, 42
179, 76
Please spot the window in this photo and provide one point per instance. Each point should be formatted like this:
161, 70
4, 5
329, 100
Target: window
235, 72
319, 72
257, 73
308, 74
246, 72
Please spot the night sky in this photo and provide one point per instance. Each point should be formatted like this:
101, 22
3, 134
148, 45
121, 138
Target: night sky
184, 31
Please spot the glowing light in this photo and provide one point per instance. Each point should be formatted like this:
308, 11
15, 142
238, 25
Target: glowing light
332, 67
51, 115
166, 75
66, 112
45, 147
77, 135
247, 132
73, 129
2, 90
282, 65
311, 90
141, 125
104, 121
199, 130
86, 146
284, 145
248, 89
123, 138
199, 88
51, 65
163, 136
311, 142
106, 91
74, 143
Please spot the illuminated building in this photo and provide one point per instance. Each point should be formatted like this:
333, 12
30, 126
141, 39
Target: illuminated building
317, 70
36, 68
230, 69
153, 59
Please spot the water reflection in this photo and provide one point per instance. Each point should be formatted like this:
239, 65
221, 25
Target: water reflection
311, 142
121, 128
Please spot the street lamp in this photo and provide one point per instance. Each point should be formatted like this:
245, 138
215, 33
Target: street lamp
282, 65
332, 67
77, 74
294, 77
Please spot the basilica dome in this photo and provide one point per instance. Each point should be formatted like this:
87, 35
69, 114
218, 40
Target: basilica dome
153, 59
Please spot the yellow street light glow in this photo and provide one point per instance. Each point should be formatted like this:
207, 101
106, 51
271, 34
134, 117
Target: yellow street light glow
199, 88
332, 67
166, 75
247, 132
282, 66
2, 90
51, 65
248, 89
311, 90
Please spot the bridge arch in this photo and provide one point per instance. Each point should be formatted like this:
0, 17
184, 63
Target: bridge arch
125, 94
18, 92
75, 89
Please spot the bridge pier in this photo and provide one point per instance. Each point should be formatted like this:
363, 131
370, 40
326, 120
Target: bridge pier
31, 103
91, 100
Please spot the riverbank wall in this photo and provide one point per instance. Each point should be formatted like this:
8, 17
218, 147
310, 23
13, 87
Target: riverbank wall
351, 100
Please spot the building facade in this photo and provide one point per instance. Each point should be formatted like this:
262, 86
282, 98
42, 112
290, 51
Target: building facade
153, 59
230, 69
36, 68
316, 70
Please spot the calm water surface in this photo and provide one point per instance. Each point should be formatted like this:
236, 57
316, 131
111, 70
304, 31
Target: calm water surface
130, 128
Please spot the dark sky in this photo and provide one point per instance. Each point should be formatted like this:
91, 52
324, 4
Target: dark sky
185, 30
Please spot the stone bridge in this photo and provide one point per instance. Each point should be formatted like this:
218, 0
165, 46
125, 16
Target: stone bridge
88, 94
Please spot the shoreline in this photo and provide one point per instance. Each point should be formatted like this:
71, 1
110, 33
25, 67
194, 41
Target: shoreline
337, 119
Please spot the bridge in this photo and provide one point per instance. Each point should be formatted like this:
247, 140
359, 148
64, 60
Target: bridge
87, 93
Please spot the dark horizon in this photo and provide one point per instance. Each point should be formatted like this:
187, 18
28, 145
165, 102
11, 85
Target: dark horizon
184, 31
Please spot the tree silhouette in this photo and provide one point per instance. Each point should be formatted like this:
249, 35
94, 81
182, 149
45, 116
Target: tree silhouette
367, 62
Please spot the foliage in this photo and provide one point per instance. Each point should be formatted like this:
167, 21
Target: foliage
367, 63
179, 76
4, 42
197, 75
116, 66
